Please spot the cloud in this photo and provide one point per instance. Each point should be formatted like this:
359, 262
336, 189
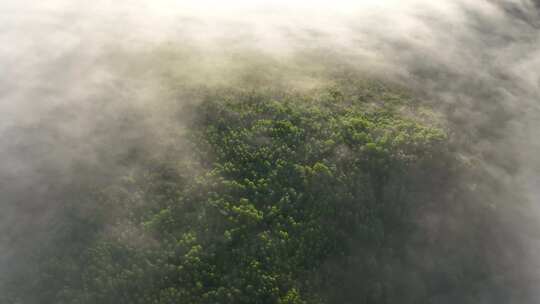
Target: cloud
75, 73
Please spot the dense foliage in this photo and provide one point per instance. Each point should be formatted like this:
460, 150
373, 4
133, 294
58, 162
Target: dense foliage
280, 198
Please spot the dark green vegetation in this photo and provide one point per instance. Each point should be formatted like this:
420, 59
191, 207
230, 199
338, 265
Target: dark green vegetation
344, 196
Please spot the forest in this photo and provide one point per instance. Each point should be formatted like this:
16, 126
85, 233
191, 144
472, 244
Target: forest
356, 192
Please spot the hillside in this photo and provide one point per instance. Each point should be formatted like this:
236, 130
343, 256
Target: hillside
347, 194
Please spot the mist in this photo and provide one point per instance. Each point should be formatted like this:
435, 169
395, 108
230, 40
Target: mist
83, 84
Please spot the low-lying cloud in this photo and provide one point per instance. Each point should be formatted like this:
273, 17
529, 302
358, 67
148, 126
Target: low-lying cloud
84, 82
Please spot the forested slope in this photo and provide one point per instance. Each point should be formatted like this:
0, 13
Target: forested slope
350, 194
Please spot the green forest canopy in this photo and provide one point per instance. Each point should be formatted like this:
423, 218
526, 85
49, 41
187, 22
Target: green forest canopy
344, 196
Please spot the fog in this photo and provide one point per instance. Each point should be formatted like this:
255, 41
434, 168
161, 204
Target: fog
83, 82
